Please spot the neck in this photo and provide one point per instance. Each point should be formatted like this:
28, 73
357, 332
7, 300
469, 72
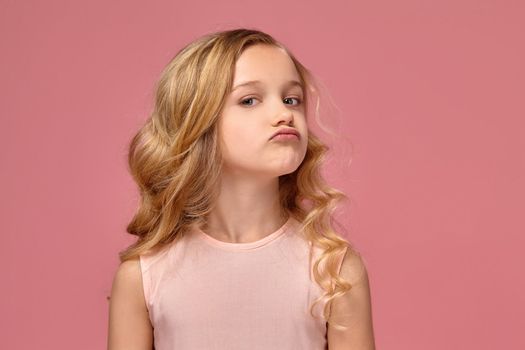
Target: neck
245, 211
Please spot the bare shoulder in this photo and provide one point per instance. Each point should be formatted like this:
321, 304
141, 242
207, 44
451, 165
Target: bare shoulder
128, 274
129, 325
127, 284
352, 309
353, 267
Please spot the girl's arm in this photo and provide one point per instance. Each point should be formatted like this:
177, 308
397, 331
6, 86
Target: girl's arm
353, 309
129, 325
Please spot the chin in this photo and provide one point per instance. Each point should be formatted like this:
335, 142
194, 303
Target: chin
288, 169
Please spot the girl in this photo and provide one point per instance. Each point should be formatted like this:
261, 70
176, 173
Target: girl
235, 245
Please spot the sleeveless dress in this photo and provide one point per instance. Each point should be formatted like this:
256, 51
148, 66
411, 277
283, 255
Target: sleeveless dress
205, 294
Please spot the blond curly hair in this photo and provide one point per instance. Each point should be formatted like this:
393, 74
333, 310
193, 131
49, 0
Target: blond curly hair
176, 162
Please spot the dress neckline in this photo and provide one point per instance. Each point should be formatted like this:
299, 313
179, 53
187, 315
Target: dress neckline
248, 245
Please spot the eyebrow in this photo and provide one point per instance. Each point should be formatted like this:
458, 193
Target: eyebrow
289, 83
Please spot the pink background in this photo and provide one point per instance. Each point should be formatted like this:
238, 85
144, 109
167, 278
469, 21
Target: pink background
430, 93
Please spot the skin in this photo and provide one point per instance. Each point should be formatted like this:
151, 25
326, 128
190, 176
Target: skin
353, 309
247, 208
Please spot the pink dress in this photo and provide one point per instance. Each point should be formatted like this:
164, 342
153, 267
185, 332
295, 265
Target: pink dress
205, 294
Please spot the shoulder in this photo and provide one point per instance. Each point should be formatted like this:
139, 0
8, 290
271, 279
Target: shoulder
129, 270
128, 280
353, 309
353, 267
129, 324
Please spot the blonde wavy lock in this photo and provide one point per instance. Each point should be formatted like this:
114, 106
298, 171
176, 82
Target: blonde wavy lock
175, 159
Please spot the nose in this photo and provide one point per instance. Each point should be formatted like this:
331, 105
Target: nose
283, 114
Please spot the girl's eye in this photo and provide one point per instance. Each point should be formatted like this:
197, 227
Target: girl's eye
294, 98
247, 99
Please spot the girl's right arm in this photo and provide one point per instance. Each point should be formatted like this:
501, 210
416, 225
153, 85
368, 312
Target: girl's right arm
129, 324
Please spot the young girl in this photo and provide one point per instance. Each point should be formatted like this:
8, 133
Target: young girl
235, 245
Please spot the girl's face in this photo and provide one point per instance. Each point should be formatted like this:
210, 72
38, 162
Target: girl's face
271, 100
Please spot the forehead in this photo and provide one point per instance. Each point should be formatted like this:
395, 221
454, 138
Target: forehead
265, 63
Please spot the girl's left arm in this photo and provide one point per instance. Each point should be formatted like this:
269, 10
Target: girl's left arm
353, 309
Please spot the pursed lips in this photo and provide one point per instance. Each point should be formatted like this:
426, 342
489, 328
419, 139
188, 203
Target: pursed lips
286, 132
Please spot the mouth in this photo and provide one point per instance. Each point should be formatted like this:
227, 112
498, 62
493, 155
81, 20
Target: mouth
288, 134
285, 137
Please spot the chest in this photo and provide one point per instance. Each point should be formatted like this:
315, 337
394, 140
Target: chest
254, 298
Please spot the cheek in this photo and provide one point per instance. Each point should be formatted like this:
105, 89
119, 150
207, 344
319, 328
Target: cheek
238, 139
236, 132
